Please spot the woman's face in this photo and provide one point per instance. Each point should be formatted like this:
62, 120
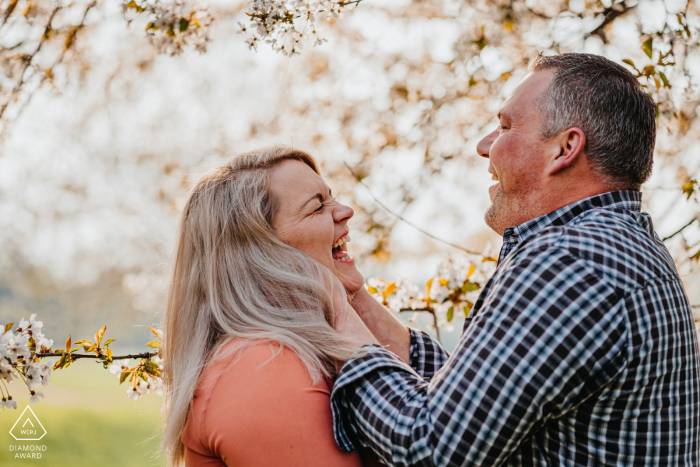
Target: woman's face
310, 220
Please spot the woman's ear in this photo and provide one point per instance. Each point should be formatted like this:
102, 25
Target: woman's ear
571, 146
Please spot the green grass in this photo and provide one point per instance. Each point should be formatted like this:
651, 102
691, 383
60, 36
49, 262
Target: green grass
89, 420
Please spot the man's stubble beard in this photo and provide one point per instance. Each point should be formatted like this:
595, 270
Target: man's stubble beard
507, 211
494, 214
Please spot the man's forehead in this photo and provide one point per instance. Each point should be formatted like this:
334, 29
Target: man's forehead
523, 96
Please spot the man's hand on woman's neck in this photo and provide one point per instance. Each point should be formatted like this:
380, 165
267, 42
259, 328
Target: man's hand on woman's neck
383, 324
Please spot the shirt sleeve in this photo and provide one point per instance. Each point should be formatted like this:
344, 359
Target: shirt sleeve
550, 333
426, 355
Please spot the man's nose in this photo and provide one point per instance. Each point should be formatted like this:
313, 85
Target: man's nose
484, 145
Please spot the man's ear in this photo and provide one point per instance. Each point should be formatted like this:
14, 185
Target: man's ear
572, 143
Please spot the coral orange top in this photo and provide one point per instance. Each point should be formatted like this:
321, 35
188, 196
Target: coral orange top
262, 411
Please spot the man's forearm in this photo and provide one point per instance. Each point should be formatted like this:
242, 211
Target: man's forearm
386, 327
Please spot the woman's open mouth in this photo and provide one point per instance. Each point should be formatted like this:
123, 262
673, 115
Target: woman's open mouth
340, 252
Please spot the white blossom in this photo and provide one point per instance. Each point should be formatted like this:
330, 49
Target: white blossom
287, 24
35, 397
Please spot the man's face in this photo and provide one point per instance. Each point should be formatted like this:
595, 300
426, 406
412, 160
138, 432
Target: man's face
518, 156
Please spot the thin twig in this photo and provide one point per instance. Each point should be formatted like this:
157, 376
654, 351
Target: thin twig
680, 230
426, 310
538, 14
8, 12
81, 355
611, 15
401, 218
28, 61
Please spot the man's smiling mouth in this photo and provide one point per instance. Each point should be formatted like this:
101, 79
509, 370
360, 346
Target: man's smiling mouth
493, 189
340, 250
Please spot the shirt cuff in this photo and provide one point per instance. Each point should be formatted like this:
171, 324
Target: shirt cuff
374, 358
426, 355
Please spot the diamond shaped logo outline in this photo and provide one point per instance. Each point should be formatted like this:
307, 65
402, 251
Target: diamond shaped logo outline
20, 418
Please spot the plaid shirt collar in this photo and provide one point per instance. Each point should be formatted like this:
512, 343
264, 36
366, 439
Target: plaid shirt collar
627, 200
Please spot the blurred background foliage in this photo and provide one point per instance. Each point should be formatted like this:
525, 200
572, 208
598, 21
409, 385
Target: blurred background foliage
107, 122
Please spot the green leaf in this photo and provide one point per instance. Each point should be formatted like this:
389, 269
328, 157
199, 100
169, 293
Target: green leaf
132, 4
696, 256
91, 348
154, 344
61, 362
664, 79
372, 290
646, 46
468, 308
109, 341
124, 374
8, 326
450, 313
470, 287
151, 368
689, 187
184, 24
100, 334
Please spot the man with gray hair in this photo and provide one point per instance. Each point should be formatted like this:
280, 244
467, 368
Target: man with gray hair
581, 349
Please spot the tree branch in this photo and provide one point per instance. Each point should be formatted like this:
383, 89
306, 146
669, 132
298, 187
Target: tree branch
81, 355
8, 12
538, 14
401, 218
611, 14
680, 230
426, 310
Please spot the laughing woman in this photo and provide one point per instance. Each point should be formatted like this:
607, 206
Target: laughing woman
250, 349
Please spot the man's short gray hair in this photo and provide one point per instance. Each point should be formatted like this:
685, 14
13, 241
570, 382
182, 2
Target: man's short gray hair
611, 107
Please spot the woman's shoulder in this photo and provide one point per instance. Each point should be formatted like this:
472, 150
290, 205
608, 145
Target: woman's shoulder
263, 403
257, 364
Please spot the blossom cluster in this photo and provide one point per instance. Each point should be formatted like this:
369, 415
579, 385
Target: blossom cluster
455, 287
172, 26
18, 360
145, 377
287, 24
21, 352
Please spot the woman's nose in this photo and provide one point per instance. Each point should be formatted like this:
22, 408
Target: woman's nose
342, 213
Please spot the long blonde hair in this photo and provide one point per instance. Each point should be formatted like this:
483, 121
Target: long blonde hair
234, 279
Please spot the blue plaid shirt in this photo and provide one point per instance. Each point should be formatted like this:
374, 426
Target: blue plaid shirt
581, 351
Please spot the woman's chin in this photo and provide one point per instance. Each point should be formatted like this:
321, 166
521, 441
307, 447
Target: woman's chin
349, 275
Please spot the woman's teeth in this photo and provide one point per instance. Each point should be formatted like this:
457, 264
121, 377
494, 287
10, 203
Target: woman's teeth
339, 254
341, 241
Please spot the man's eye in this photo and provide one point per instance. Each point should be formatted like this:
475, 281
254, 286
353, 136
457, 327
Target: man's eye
319, 208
